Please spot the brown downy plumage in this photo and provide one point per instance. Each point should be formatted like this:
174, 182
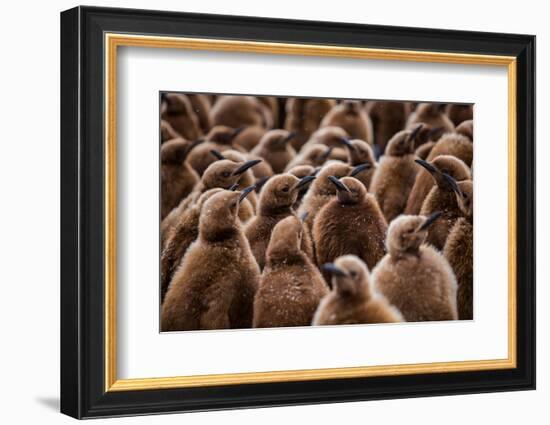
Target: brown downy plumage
314, 155
167, 132
395, 175
350, 223
321, 191
272, 105
276, 200
353, 299
302, 171
458, 113
424, 181
201, 106
223, 174
424, 150
360, 152
214, 286
456, 145
387, 119
442, 197
413, 276
329, 136
219, 138
177, 178
466, 128
350, 116
459, 250
181, 236
291, 287
431, 114
275, 149
176, 110
249, 137
240, 111
303, 117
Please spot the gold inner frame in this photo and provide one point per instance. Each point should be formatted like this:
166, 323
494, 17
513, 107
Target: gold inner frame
113, 41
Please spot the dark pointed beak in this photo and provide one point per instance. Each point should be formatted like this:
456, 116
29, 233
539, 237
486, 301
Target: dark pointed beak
217, 154
303, 216
429, 167
233, 187
246, 166
414, 133
341, 187
347, 143
236, 132
288, 138
260, 182
332, 269
429, 221
451, 183
327, 153
246, 191
361, 167
303, 182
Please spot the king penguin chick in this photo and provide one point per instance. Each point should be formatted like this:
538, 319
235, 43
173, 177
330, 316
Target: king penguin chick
219, 138
456, 145
302, 171
350, 116
387, 119
442, 198
240, 111
413, 276
176, 109
177, 178
224, 174
360, 152
275, 149
214, 286
395, 175
329, 136
425, 179
431, 114
353, 299
181, 236
303, 117
276, 200
291, 287
350, 223
458, 112
459, 250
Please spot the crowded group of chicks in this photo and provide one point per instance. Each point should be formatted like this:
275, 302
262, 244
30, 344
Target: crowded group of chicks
281, 212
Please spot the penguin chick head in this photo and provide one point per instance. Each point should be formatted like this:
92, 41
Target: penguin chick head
350, 276
302, 171
403, 142
286, 239
223, 135
466, 128
281, 192
322, 185
175, 104
464, 192
444, 169
349, 190
224, 173
350, 107
175, 151
318, 154
407, 232
219, 214
430, 109
359, 151
277, 140
329, 136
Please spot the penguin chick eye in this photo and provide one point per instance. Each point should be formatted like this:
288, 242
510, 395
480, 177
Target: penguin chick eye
353, 274
285, 189
225, 174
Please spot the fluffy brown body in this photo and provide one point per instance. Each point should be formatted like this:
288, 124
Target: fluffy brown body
303, 117
387, 119
456, 145
176, 176
458, 112
459, 251
350, 116
177, 111
215, 285
277, 198
352, 299
329, 136
424, 150
249, 137
413, 276
313, 155
432, 114
395, 175
275, 148
350, 223
291, 287
239, 111
184, 232
466, 128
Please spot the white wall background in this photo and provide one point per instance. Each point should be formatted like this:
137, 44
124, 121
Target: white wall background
29, 223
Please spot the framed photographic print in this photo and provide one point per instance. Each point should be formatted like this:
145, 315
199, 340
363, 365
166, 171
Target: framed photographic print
261, 212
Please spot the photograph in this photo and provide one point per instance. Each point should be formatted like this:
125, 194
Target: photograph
282, 212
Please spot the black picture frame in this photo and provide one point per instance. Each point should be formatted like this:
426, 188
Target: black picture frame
82, 212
